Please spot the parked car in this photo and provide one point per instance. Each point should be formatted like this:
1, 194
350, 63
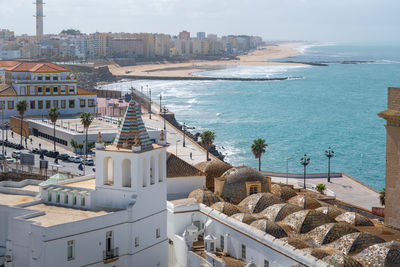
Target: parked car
75, 159
88, 162
16, 154
52, 154
2, 157
63, 156
9, 159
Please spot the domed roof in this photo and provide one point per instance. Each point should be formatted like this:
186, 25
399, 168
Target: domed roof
257, 202
282, 191
226, 208
269, 228
320, 253
354, 218
305, 202
304, 221
242, 173
355, 242
244, 217
332, 212
251, 264
278, 212
339, 260
383, 254
328, 233
205, 196
296, 242
212, 169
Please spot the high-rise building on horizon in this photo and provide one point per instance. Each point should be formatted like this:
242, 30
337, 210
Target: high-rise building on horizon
39, 20
201, 35
184, 35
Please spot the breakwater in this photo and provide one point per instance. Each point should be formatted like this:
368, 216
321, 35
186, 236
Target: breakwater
199, 78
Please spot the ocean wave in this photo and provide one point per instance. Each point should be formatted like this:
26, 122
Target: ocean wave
302, 49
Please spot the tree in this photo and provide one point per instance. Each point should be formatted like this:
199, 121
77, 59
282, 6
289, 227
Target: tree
21, 108
86, 120
207, 140
258, 148
74, 145
54, 113
382, 197
320, 188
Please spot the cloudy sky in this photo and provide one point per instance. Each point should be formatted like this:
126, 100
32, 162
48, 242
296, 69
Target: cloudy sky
314, 20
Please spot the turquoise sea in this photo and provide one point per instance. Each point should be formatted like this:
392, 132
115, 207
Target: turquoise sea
334, 105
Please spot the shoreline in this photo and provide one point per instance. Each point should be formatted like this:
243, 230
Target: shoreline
259, 57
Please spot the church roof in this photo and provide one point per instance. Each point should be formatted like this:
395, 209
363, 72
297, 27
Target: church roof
177, 167
133, 130
36, 67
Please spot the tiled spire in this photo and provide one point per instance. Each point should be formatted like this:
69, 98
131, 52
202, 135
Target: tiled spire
133, 130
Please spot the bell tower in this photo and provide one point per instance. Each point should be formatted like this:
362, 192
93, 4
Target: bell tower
392, 189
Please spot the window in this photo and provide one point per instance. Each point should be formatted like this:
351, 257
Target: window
57, 197
55, 103
243, 251
32, 103
82, 103
74, 200
253, 189
40, 90
158, 233
47, 90
212, 246
22, 90
136, 242
49, 196
90, 103
62, 89
10, 104
222, 241
47, 78
83, 201
63, 103
2, 105
72, 89
71, 250
40, 78
65, 198
71, 103
55, 78
55, 90
266, 263
48, 104
109, 242
40, 104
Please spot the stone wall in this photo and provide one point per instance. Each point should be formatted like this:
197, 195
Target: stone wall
394, 98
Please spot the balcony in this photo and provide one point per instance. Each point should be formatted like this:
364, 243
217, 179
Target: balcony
110, 255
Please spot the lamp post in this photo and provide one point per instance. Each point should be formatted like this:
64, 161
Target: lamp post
2, 124
176, 147
184, 128
160, 103
304, 161
329, 153
150, 104
164, 111
287, 169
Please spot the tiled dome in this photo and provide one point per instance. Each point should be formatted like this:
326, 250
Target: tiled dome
305, 202
269, 228
339, 260
242, 173
328, 233
320, 253
282, 191
226, 208
383, 254
244, 217
355, 242
354, 218
296, 242
202, 195
332, 212
258, 202
304, 221
278, 212
212, 169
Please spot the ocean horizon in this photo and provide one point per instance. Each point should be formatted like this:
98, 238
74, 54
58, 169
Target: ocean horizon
334, 105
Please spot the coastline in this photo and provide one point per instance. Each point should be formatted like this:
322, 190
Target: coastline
257, 57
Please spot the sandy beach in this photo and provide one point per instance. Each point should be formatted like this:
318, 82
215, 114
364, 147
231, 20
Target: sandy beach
255, 58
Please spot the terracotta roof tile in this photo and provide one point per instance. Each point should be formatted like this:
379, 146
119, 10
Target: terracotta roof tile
36, 67
8, 63
177, 167
7, 90
85, 92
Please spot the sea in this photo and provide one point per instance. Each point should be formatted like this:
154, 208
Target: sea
334, 104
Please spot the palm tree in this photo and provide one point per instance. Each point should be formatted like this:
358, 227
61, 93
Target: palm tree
86, 120
207, 140
382, 197
258, 148
21, 107
54, 113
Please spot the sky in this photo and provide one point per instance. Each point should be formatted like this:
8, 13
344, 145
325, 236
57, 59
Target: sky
312, 20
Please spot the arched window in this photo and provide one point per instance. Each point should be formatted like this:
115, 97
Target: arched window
126, 173
152, 171
144, 174
108, 171
160, 167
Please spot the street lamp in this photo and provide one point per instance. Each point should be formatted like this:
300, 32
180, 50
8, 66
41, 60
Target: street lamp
150, 104
160, 103
184, 128
287, 169
176, 147
164, 111
329, 154
304, 161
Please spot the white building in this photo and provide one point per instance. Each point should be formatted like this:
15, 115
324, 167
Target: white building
116, 219
43, 85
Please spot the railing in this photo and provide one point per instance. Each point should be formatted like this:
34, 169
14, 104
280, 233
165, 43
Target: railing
110, 254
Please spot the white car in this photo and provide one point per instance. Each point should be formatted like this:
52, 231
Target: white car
9, 159
75, 159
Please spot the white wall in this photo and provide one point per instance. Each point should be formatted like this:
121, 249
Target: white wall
180, 187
